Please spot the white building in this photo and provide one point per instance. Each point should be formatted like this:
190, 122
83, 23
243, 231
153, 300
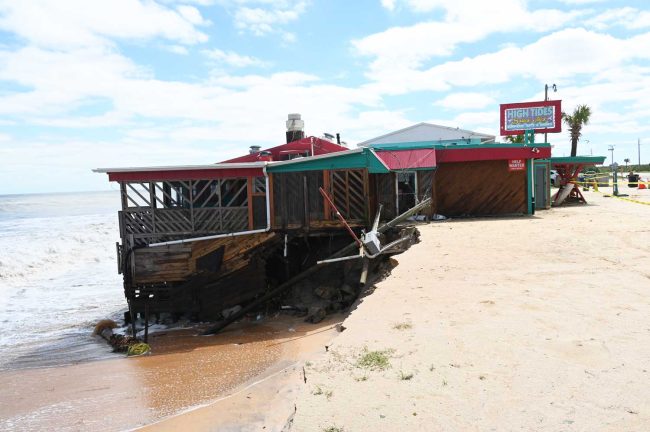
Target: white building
422, 132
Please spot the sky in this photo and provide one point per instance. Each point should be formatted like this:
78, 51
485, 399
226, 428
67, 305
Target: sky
115, 83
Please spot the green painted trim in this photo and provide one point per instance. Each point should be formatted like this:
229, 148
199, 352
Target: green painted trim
529, 180
357, 160
595, 160
448, 145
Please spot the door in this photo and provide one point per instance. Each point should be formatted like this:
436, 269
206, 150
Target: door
541, 187
406, 191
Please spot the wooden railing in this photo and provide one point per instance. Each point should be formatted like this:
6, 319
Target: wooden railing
146, 225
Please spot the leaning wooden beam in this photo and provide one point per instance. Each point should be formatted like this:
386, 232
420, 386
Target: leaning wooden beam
300, 276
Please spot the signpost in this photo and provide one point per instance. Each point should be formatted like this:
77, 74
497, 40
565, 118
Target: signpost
540, 117
529, 118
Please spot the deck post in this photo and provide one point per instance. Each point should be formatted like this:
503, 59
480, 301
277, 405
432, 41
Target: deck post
146, 321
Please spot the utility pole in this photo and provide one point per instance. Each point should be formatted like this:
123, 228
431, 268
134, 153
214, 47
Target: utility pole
611, 149
546, 99
638, 146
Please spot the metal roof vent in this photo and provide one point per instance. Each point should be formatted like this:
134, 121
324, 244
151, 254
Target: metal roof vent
295, 128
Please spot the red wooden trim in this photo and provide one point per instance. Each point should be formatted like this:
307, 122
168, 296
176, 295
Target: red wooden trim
558, 115
202, 174
478, 154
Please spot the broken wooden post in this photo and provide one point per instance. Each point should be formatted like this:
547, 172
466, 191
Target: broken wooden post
364, 271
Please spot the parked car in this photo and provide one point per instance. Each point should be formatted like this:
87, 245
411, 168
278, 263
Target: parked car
555, 178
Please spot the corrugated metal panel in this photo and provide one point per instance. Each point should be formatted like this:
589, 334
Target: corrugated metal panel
408, 159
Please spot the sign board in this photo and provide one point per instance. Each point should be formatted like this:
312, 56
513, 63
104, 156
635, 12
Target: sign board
516, 164
542, 117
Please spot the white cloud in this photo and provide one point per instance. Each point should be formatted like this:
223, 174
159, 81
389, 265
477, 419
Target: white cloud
399, 50
65, 24
388, 4
563, 55
262, 19
581, 2
465, 101
232, 59
177, 49
627, 17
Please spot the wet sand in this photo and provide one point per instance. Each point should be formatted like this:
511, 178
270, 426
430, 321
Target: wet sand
184, 371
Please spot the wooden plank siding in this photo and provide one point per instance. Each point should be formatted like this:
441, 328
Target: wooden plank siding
479, 188
178, 262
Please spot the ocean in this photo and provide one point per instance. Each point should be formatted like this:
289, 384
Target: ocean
58, 277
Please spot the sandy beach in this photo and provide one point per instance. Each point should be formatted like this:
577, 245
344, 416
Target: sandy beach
516, 323
531, 323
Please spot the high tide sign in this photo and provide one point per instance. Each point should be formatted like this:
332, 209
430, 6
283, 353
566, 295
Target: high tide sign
542, 117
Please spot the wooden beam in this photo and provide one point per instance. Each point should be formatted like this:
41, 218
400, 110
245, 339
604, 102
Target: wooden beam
249, 198
271, 200
327, 211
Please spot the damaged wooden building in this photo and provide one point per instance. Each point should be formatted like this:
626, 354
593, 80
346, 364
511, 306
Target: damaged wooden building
199, 239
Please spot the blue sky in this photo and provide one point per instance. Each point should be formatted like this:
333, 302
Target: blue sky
87, 84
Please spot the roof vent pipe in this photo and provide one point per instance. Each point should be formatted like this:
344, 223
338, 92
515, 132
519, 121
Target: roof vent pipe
254, 149
295, 128
338, 138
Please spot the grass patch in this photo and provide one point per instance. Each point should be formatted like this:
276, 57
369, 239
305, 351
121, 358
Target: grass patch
374, 360
403, 326
444, 382
318, 390
361, 378
405, 376
333, 429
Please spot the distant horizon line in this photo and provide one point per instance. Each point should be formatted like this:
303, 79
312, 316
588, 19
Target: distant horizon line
56, 193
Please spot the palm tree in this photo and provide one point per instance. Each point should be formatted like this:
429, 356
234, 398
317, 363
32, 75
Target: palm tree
627, 161
575, 121
515, 139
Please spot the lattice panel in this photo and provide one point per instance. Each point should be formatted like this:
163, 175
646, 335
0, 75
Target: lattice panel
206, 193
349, 193
136, 222
166, 210
235, 219
137, 195
207, 220
173, 221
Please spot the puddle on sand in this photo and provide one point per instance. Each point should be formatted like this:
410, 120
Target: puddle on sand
184, 371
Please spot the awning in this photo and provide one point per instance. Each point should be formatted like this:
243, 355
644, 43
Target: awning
413, 159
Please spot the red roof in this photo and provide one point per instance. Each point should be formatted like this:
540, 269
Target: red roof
408, 159
304, 145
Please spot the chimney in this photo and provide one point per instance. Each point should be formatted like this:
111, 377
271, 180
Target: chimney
254, 149
295, 128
